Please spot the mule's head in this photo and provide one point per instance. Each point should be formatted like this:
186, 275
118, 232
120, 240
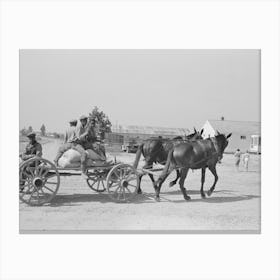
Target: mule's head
222, 143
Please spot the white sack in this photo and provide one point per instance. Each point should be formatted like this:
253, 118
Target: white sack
70, 158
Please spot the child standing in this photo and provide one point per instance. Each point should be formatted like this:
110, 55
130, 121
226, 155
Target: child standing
246, 158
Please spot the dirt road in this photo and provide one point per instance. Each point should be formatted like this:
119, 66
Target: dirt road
234, 206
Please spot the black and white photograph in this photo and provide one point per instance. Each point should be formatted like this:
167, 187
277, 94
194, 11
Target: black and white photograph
140, 140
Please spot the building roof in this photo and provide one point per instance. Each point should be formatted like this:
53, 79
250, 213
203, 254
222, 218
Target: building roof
236, 127
138, 129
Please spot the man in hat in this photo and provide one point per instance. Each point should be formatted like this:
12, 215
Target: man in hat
70, 133
82, 141
69, 139
77, 138
33, 148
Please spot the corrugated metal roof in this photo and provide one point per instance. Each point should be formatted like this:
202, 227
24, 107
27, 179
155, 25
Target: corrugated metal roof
240, 127
138, 129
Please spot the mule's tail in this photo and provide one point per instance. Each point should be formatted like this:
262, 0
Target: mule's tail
138, 155
167, 164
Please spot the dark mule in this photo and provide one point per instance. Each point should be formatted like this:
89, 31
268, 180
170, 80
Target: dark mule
155, 150
199, 154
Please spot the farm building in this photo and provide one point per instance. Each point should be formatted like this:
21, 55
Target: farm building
121, 134
246, 135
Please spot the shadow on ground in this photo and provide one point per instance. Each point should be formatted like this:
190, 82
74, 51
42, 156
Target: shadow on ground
78, 199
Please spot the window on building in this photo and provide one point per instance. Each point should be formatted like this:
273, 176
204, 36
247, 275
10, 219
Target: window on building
243, 137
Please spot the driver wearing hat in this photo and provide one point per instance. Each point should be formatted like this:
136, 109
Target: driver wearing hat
33, 148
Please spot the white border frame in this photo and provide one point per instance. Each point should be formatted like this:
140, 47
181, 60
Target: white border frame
155, 25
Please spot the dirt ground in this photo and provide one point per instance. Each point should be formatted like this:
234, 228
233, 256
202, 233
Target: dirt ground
234, 206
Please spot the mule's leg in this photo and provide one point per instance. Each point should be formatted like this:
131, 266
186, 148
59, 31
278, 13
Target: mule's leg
184, 172
160, 181
172, 183
148, 165
214, 172
153, 180
203, 170
139, 191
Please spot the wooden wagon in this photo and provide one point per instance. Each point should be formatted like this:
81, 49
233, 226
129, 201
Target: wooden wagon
39, 180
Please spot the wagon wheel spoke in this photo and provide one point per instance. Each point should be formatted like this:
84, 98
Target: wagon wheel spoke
38, 198
132, 189
29, 187
130, 184
123, 191
119, 193
129, 173
42, 168
41, 189
116, 190
114, 185
31, 195
30, 170
91, 183
51, 176
117, 173
24, 180
37, 168
48, 189
51, 183
123, 173
47, 169
128, 189
103, 184
131, 178
46, 195
114, 180
25, 174
98, 184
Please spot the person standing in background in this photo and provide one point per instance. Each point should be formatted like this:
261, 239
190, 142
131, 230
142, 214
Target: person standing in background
246, 158
237, 156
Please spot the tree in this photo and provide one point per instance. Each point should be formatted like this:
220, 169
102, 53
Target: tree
102, 122
30, 129
23, 132
43, 130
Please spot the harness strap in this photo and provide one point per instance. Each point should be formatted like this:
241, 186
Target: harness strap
216, 147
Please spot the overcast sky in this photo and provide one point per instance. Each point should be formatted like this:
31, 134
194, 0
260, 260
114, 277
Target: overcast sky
178, 88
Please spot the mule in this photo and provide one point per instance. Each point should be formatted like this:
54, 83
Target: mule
155, 150
199, 154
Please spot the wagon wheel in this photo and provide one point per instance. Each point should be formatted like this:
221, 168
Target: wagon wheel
38, 181
122, 182
96, 180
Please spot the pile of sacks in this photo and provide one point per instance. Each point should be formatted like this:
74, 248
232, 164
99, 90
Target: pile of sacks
72, 158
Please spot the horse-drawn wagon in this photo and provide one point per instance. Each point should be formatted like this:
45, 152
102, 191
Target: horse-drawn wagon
40, 180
